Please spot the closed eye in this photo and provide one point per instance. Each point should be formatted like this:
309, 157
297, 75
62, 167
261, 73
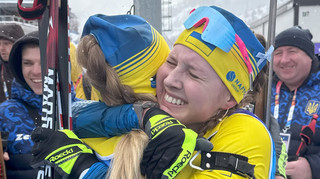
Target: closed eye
193, 75
171, 62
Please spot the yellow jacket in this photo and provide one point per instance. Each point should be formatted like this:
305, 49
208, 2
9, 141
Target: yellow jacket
240, 133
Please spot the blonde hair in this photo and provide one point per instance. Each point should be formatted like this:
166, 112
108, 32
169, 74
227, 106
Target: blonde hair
103, 77
129, 150
126, 161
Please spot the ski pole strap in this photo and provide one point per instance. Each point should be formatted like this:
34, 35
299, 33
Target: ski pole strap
35, 12
233, 163
34, 114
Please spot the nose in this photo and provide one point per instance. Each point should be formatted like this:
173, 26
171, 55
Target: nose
36, 69
284, 58
174, 79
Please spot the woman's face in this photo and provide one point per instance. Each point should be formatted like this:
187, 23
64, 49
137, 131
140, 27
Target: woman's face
189, 89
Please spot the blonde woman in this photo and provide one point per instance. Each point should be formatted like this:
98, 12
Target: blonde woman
121, 55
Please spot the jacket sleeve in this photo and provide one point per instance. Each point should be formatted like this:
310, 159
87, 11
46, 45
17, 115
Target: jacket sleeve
97, 171
96, 119
281, 154
314, 160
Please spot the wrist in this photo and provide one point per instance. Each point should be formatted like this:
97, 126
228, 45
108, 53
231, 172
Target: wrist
140, 109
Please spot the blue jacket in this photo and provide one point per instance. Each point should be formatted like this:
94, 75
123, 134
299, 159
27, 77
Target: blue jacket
307, 104
110, 121
108, 124
15, 119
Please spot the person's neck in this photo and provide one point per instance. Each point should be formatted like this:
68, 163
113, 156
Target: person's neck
293, 87
195, 127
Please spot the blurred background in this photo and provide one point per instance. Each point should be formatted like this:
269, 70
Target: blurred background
167, 16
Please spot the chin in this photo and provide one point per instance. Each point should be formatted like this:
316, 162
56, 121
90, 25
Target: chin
164, 108
37, 92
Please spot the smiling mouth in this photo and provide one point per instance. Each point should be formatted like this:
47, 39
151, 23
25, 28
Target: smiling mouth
287, 67
36, 80
173, 100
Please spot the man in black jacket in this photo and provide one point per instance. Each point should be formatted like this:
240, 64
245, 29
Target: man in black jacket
9, 33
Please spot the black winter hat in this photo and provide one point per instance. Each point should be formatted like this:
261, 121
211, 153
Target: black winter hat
297, 37
11, 32
15, 58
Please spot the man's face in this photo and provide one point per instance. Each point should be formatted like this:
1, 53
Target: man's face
292, 65
31, 68
5, 48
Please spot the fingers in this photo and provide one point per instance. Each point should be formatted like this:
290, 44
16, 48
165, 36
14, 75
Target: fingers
170, 157
6, 156
145, 162
40, 137
160, 161
291, 168
40, 134
35, 163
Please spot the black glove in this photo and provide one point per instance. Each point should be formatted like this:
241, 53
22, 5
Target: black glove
170, 148
62, 150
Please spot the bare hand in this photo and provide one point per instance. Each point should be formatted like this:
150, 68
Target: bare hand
278, 177
6, 156
299, 169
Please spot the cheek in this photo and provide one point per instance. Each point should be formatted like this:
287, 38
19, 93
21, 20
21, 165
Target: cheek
161, 74
24, 71
204, 98
275, 61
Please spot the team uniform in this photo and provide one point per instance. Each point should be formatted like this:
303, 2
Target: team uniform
238, 134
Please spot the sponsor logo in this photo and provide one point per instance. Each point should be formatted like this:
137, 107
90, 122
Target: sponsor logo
235, 82
47, 107
161, 126
312, 107
175, 170
231, 75
60, 155
22, 137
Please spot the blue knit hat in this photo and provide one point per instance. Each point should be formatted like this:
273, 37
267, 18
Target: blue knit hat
131, 46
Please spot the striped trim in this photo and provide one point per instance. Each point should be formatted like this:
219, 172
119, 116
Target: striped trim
252, 60
139, 60
195, 39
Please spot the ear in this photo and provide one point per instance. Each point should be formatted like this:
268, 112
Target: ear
231, 102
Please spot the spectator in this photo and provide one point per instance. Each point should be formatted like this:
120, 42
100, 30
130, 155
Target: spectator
9, 33
295, 98
21, 114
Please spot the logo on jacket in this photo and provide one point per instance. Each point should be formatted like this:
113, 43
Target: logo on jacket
312, 107
22, 137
